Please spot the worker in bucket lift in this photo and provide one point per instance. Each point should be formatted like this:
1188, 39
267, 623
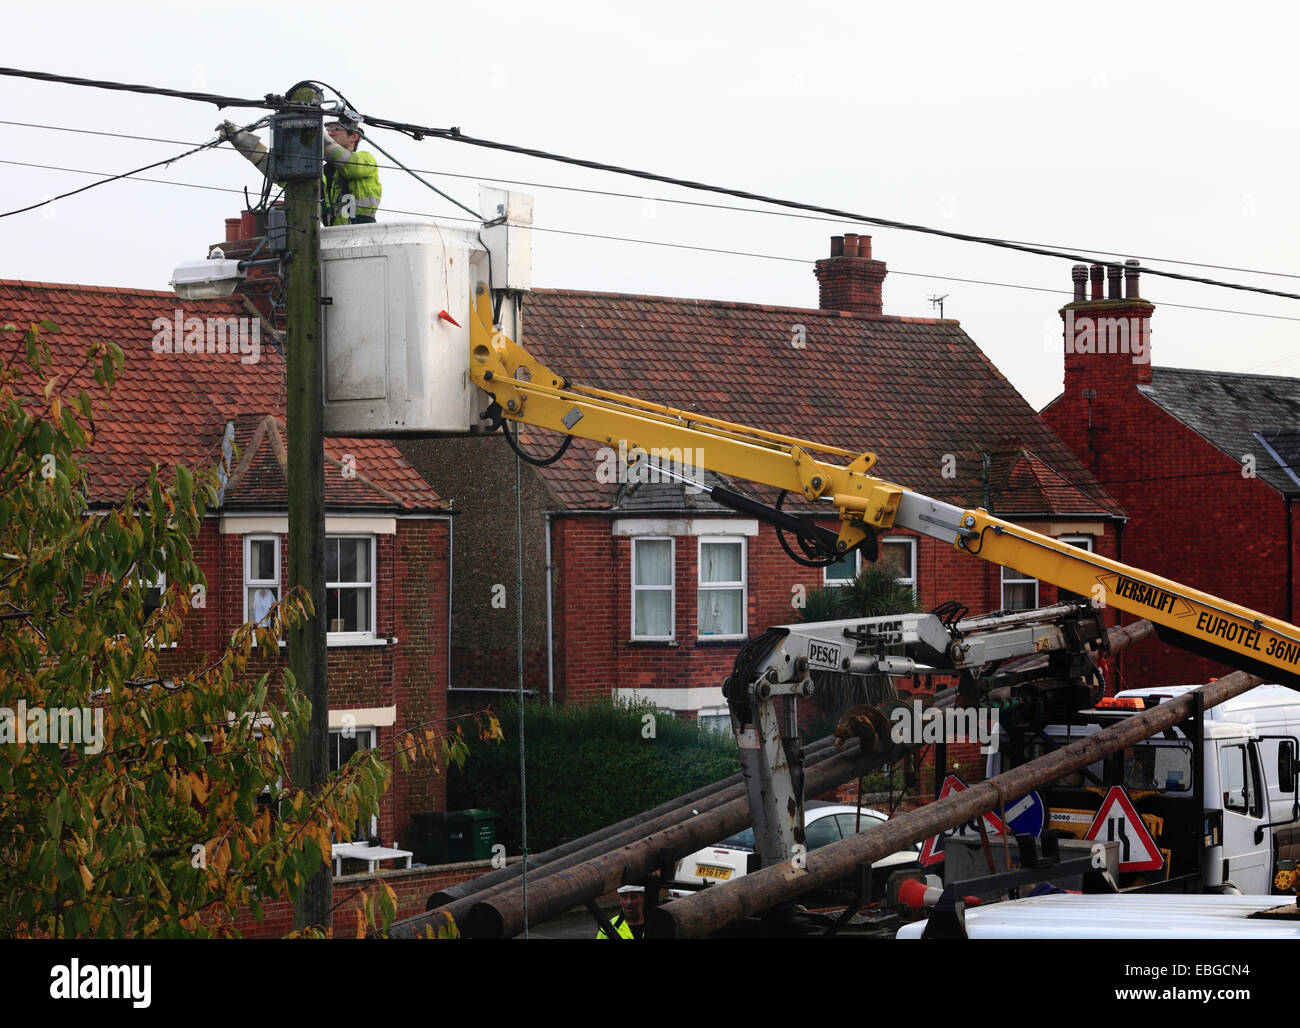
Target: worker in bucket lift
630, 924
350, 188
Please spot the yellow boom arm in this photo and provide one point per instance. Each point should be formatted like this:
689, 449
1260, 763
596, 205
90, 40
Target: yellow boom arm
529, 392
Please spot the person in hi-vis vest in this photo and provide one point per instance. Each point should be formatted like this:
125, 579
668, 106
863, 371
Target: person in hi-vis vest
350, 189
630, 924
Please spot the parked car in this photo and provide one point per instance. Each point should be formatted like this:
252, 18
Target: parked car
823, 823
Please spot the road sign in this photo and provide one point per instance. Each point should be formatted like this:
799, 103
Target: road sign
1027, 815
932, 852
1118, 821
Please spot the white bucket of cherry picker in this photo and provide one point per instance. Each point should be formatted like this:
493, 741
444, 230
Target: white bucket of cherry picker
396, 328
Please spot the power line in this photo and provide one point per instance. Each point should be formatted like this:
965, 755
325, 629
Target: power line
456, 136
430, 185
615, 194
151, 181
271, 100
113, 178
97, 132
804, 260
680, 246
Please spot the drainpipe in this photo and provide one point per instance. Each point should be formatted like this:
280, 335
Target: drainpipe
1290, 558
1119, 556
451, 570
550, 619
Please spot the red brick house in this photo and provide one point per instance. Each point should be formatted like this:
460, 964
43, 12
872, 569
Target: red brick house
652, 589
387, 532
1206, 463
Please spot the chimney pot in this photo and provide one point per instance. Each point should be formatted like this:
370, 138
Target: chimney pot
1131, 279
1112, 282
248, 225
233, 229
1098, 273
849, 280
1080, 275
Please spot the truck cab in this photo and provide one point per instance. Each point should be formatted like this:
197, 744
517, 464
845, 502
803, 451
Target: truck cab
1216, 795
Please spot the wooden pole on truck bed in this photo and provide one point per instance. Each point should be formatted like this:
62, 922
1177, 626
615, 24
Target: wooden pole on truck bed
677, 805
706, 912
502, 915
493, 918
633, 829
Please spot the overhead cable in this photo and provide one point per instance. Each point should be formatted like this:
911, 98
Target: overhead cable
456, 136
272, 100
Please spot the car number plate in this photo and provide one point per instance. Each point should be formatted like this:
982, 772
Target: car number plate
710, 871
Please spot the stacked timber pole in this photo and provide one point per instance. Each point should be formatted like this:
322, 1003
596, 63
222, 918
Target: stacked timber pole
705, 912
452, 905
701, 799
570, 875
501, 915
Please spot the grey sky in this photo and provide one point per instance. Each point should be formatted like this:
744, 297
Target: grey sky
1153, 130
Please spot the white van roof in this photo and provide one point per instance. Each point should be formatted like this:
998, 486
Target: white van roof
1264, 703
1124, 916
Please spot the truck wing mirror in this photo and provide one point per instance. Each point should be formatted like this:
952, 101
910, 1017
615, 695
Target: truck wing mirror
1286, 765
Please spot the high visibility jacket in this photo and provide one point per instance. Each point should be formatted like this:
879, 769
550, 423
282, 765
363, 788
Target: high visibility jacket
619, 925
355, 175
346, 175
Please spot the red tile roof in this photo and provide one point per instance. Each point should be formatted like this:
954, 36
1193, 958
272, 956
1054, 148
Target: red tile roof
358, 472
1019, 481
172, 408
912, 390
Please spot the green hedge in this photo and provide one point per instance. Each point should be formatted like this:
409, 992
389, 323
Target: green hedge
587, 767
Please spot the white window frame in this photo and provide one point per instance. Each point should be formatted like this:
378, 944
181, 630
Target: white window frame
910, 542
373, 732
252, 583
159, 583
1004, 581
838, 583
1082, 542
670, 588
357, 730
714, 719
345, 637
703, 587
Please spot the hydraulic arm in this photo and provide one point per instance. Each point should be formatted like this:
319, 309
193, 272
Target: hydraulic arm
524, 390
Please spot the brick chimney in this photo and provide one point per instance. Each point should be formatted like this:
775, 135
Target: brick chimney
849, 279
1107, 337
243, 236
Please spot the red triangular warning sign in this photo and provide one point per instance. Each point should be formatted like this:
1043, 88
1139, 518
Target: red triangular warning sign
1118, 821
931, 852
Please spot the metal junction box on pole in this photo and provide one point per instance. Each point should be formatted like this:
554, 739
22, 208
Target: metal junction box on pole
297, 146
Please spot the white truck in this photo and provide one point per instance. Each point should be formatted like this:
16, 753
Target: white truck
1216, 797
1065, 915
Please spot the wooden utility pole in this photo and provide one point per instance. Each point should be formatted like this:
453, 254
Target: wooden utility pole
305, 446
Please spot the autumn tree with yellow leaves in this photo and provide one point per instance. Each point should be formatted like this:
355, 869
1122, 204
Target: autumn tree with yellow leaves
133, 803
